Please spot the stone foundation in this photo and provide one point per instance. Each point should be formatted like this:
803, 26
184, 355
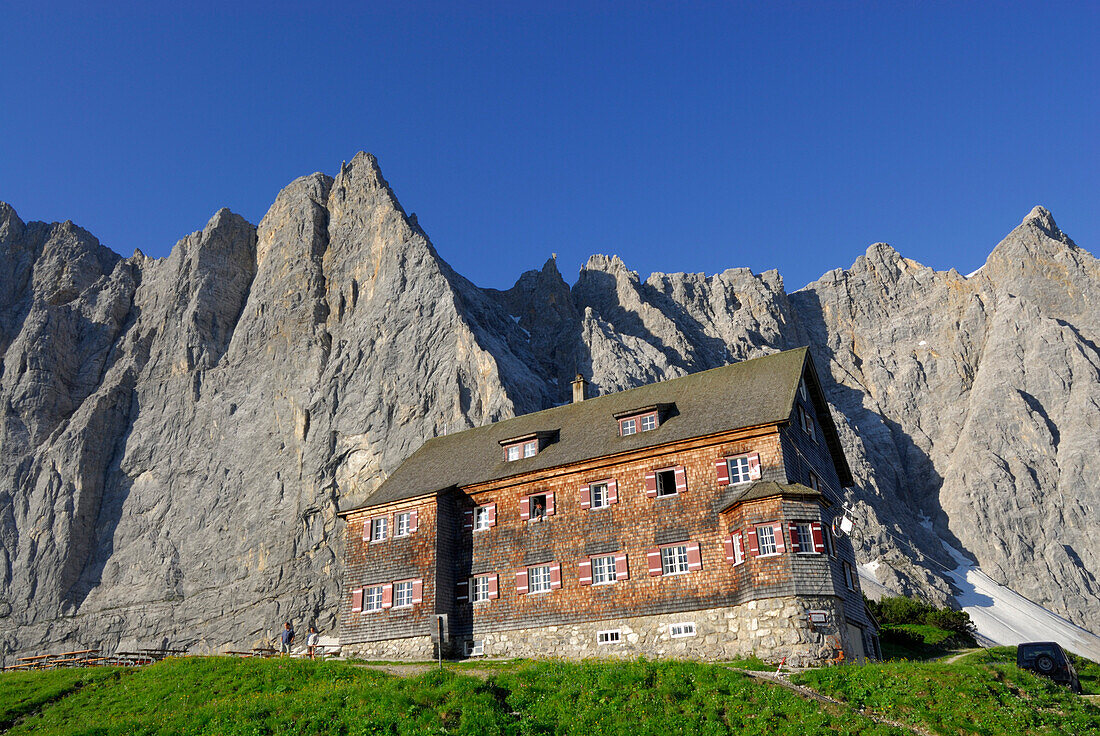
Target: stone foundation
770, 629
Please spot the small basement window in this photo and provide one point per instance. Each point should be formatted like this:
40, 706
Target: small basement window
614, 636
678, 631
475, 648
666, 482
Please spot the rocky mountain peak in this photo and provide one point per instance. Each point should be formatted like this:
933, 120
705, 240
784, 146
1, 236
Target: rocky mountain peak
11, 227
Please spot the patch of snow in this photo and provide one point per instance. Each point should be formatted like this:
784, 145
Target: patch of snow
1005, 617
975, 273
923, 342
925, 520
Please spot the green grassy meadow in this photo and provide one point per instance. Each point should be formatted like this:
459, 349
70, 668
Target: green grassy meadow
220, 695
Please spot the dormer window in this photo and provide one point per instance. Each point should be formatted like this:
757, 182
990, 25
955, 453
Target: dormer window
638, 423
518, 448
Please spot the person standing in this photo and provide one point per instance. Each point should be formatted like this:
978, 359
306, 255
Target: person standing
286, 638
311, 642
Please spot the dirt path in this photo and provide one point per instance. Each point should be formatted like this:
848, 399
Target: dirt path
412, 670
956, 657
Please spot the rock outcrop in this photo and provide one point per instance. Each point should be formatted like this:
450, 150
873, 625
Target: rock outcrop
178, 433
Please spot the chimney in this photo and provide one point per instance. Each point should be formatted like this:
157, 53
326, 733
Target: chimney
579, 385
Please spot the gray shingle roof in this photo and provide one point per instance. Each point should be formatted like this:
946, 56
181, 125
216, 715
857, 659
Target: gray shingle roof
746, 394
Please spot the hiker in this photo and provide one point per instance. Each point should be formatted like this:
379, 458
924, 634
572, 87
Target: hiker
286, 638
311, 642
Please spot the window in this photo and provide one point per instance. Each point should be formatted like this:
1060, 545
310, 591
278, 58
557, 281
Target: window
402, 524
739, 469
372, 599
530, 449
849, 576
475, 647
599, 495
609, 637
802, 390
403, 594
813, 481
538, 579
738, 549
378, 529
512, 453
804, 538
638, 423
666, 482
828, 534
674, 560
678, 631
481, 518
649, 421
628, 427
807, 421
540, 507
479, 589
765, 536
603, 570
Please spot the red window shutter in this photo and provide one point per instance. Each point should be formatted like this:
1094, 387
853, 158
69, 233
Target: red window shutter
754, 541
412, 521
727, 545
653, 557
622, 570
819, 537
754, 466
549, 504
366, 530
418, 591
651, 484
555, 576
612, 491
738, 545
492, 511
795, 545
585, 571
586, 497
521, 580
387, 595
695, 558
494, 587
357, 600
681, 479
462, 591
468, 519
779, 546
722, 467
525, 508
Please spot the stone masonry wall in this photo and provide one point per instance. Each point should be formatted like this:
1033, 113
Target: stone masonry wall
770, 629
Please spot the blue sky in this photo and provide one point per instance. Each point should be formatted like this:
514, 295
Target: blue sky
680, 136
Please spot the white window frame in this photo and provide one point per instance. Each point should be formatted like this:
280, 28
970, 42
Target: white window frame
479, 589
399, 592
609, 636
805, 538
402, 522
739, 469
379, 527
475, 647
849, 575
530, 449
665, 473
603, 570
647, 422
802, 390
770, 529
481, 518
674, 559
601, 500
628, 427
538, 579
738, 549
513, 453
681, 630
372, 602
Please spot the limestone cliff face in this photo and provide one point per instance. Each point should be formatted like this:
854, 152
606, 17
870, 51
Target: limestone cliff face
178, 433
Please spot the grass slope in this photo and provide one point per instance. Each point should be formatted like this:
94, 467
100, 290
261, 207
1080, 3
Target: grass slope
229, 696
